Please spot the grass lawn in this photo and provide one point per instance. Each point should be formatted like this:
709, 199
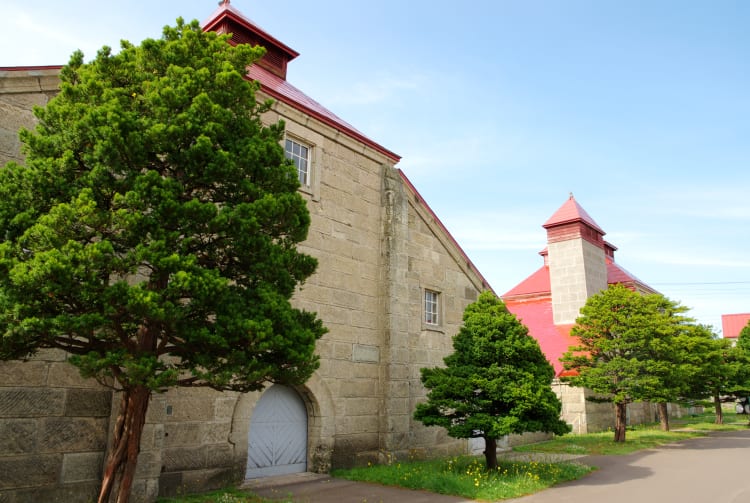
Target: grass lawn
466, 477
639, 437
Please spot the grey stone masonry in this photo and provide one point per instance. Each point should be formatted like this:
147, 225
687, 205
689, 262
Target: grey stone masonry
378, 246
20, 91
53, 431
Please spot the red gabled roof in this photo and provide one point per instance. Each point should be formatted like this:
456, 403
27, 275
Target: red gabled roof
570, 212
283, 91
732, 324
270, 71
536, 284
618, 274
226, 12
531, 302
554, 340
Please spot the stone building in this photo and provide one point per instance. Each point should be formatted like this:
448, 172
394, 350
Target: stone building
578, 263
391, 287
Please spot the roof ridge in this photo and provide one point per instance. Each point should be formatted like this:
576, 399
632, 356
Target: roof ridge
570, 212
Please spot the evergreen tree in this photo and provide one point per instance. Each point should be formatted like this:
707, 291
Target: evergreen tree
743, 339
713, 368
152, 231
496, 382
626, 351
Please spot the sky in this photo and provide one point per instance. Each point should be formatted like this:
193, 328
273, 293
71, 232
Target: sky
500, 109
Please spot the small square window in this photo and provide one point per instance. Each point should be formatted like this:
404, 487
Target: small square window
431, 310
300, 156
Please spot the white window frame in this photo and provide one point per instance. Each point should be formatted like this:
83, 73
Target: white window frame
300, 153
431, 303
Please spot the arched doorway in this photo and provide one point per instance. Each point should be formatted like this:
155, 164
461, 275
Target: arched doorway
277, 440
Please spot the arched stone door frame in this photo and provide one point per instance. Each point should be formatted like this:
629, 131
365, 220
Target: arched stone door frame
321, 427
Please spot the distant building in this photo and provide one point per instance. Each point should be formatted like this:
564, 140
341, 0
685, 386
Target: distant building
578, 263
732, 324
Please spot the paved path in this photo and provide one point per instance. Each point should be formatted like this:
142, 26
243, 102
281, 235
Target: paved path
713, 469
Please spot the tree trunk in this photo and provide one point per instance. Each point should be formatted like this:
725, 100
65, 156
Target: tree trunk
490, 453
126, 444
718, 410
621, 417
663, 415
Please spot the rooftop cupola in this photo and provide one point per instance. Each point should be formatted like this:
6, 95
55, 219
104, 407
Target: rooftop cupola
571, 221
576, 259
227, 19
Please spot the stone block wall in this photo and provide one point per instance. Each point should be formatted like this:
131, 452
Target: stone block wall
53, 430
20, 91
581, 414
344, 204
434, 263
378, 246
577, 270
196, 452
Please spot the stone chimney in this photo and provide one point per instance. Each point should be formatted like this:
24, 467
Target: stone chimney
576, 259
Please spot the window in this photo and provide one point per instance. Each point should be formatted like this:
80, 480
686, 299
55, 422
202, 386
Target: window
431, 314
300, 156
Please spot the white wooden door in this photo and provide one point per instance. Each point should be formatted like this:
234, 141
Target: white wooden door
277, 441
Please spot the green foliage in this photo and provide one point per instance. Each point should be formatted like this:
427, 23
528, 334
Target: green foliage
152, 232
467, 477
627, 348
711, 366
497, 380
743, 340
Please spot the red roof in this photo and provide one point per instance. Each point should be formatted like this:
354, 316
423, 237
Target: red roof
531, 299
225, 10
732, 324
536, 284
570, 212
272, 75
283, 91
617, 274
553, 339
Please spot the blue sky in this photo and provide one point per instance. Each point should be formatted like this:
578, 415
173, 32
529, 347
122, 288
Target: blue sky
500, 109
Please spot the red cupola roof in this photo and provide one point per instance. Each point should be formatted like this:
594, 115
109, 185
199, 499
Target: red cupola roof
571, 221
227, 19
270, 71
571, 212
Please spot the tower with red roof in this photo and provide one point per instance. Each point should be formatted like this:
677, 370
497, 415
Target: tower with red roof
578, 263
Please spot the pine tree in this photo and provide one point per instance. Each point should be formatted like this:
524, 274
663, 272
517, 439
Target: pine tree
496, 382
152, 231
627, 351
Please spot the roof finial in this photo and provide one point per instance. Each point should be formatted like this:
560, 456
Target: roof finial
224, 2
571, 194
